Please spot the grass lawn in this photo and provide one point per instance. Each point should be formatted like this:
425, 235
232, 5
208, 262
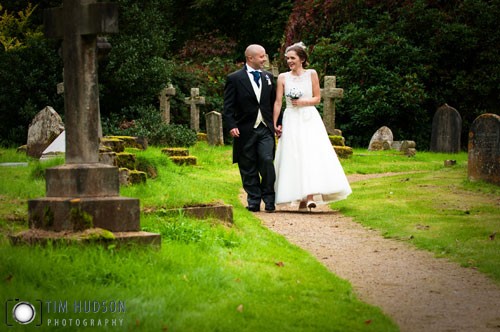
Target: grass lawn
206, 277
210, 277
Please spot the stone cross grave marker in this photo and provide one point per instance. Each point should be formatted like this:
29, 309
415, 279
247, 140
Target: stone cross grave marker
194, 101
329, 93
83, 190
78, 23
165, 95
484, 149
271, 67
446, 130
215, 134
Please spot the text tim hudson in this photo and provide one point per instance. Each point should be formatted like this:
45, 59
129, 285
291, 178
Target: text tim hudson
86, 306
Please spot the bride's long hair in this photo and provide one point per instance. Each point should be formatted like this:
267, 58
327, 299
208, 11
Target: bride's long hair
300, 49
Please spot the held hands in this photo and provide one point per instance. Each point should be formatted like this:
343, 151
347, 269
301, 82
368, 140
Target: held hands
278, 130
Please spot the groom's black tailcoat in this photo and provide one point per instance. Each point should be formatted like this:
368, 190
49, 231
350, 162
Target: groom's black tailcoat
253, 150
241, 106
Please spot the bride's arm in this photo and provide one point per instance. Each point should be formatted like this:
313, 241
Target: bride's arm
277, 103
316, 99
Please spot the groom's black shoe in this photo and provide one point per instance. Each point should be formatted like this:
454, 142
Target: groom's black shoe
253, 208
270, 208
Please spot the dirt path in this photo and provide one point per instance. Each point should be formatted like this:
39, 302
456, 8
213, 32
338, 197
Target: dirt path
419, 292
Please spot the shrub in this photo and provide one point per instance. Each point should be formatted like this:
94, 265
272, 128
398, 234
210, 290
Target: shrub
30, 70
148, 123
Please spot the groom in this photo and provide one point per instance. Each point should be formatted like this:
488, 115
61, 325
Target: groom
248, 111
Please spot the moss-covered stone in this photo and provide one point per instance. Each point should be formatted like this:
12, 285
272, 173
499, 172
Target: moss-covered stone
377, 146
137, 177
97, 234
131, 142
343, 151
80, 219
337, 140
184, 160
115, 144
175, 152
125, 160
202, 137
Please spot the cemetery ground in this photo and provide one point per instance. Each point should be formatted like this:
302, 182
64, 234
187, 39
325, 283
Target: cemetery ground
212, 276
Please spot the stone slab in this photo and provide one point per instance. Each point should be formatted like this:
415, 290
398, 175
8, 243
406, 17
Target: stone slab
41, 237
222, 212
116, 214
13, 164
82, 180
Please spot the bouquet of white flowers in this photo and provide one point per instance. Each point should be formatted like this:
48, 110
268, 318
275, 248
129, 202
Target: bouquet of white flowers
294, 93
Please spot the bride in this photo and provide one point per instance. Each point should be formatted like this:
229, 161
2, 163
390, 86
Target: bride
308, 171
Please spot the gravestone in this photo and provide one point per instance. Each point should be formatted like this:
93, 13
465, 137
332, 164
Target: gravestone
83, 190
484, 149
194, 101
446, 129
164, 97
329, 93
43, 130
268, 66
215, 134
382, 135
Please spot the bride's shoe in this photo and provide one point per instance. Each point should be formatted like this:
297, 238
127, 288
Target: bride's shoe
302, 206
311, 205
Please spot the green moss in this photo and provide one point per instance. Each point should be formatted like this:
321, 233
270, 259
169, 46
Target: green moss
184, 160
137, 177
175, 152
125, 160
80, 219
129, 141
97, 234
337, 140
343, 151
202, 137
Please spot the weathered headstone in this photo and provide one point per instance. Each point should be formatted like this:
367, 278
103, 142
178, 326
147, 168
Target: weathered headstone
484, 149
43, 130
446, 129
329, 93
271, 67
83, 190
164, 97
381, 135
194, 101
215, 134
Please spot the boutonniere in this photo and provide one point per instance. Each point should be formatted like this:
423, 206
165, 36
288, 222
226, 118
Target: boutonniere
268, 80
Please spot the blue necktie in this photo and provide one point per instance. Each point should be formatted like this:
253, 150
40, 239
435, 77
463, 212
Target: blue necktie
256, 77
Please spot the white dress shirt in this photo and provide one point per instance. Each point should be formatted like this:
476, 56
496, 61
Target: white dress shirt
257, 90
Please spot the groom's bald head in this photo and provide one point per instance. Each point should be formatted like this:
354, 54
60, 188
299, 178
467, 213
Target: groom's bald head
255, 56
253, 49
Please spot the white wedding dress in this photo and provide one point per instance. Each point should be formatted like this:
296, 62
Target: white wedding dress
306, 162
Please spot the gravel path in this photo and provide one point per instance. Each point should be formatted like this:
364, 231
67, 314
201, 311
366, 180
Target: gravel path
418, 291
